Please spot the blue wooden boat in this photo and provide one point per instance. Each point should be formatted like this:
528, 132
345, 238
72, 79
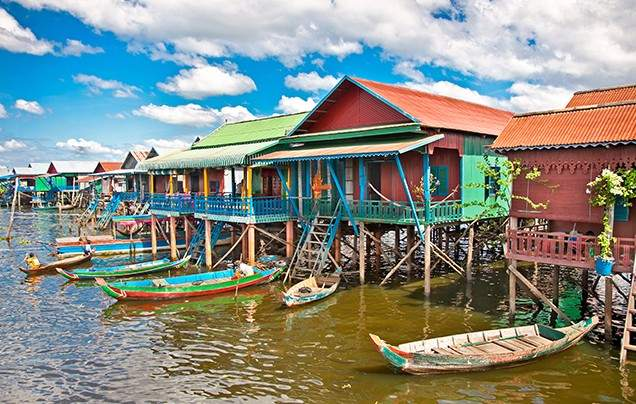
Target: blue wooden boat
124, 270
111, 246
311, 289
185, 286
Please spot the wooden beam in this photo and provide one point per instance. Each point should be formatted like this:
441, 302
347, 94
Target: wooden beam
206, 183
174, 254
153, 235
251, 244
469, 254
362, 251
230, 250
448, 260
275, 237
397, 266
609, 298
522, 280
427, 260
208, 243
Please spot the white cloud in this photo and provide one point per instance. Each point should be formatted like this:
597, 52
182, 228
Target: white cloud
311, 82
560, 43
18, 39
3, 112
75, 47
408, 70
163, 145
207, 80
84, 146
193, 114
96, 85
32, 107
161, 52
118, 115
12, 144
290, 105
524, 97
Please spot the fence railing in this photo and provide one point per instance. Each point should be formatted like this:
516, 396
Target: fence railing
237, 206
564, 249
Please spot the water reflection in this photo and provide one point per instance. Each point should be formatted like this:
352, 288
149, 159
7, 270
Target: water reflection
68, 341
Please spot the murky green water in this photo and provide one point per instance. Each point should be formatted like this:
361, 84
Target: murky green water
70, 342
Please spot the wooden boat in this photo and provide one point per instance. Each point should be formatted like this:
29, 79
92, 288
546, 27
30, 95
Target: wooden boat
482, 350
64, 263
124, 270
107, 245
205, 284
311, 289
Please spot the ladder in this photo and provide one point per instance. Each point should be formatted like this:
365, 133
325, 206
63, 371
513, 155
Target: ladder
313, 249
629, 328
109, 211
196, 249
90, 210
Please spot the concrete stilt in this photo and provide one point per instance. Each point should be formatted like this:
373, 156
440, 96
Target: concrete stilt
289, 238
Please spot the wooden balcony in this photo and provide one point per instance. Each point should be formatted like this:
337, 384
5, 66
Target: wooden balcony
558, 248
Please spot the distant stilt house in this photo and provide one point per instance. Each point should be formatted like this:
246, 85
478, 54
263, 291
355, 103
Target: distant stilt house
376, 155
212, 183
63, 177
137, 180
570, 147
28, 182
104, 178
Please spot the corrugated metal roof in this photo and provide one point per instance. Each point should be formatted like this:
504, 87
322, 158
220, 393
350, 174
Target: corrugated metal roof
223, 156
603, 96
26, 171
437, 111
108, 165
40, 167
256, 130
609, 123
71, 167
139, 155
360, 149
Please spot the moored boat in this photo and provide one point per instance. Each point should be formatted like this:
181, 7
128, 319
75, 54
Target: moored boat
209, 283
124, 270
107, 245
482, 350
63, 263
311, 289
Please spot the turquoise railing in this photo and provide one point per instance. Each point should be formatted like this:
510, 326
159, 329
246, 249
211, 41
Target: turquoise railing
238, 206
180, 203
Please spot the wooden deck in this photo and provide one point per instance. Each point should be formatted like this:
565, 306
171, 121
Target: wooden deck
558, 248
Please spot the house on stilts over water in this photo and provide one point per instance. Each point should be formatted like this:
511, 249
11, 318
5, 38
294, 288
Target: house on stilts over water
552, 218
374, 157
210, 190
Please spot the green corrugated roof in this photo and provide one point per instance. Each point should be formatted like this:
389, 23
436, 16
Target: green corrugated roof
256, 130
222, 156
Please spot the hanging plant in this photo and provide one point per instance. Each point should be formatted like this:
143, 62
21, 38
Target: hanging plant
605, 189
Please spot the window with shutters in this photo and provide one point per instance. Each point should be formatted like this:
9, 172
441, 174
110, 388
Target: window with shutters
621, 212
441, 180
492, 186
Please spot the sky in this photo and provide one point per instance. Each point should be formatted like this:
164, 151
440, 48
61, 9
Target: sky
93, 79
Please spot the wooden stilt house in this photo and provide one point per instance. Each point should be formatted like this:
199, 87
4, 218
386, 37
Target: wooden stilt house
368, 151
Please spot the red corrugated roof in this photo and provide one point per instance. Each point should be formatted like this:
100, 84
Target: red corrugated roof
107, 166
609, 123
603, 96
437, 111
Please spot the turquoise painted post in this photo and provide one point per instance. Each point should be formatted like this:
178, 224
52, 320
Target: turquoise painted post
426, 184
284, 183
362, 179
407, 191
343, 198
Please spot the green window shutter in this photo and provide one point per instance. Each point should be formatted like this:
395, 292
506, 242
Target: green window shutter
441, 175
621, 212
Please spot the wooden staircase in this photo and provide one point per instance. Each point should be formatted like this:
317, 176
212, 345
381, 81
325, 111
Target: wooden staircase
315, 243
629, 328
196, 249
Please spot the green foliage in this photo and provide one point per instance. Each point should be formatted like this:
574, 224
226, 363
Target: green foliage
605, 189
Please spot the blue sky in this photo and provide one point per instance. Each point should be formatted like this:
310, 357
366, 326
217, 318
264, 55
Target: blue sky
93, 79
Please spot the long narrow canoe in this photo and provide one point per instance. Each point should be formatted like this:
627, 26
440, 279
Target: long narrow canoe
311, 290
51, 266
483, 349
107, 245
204, 284
124, 270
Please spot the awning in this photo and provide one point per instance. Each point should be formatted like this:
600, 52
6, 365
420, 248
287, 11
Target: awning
367, 149
224, 156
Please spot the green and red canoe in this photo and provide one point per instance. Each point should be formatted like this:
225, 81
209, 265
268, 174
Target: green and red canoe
209, 283
482, 350
124, 270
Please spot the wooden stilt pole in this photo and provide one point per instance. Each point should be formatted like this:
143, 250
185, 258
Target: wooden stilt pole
584, 287
289, 237
244, 244
397, 239
188, 231
469, 254
378, 249
410, 239
512, 289
173, 238
609, 297
427, 260
555, 291
251, 244
15, 195
362, 251
153, 235
337, 245
208, 243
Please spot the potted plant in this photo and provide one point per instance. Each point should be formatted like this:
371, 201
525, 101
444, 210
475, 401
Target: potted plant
605, 189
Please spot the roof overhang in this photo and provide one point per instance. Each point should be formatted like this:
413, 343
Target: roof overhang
563, 146
384, 148
395, 129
